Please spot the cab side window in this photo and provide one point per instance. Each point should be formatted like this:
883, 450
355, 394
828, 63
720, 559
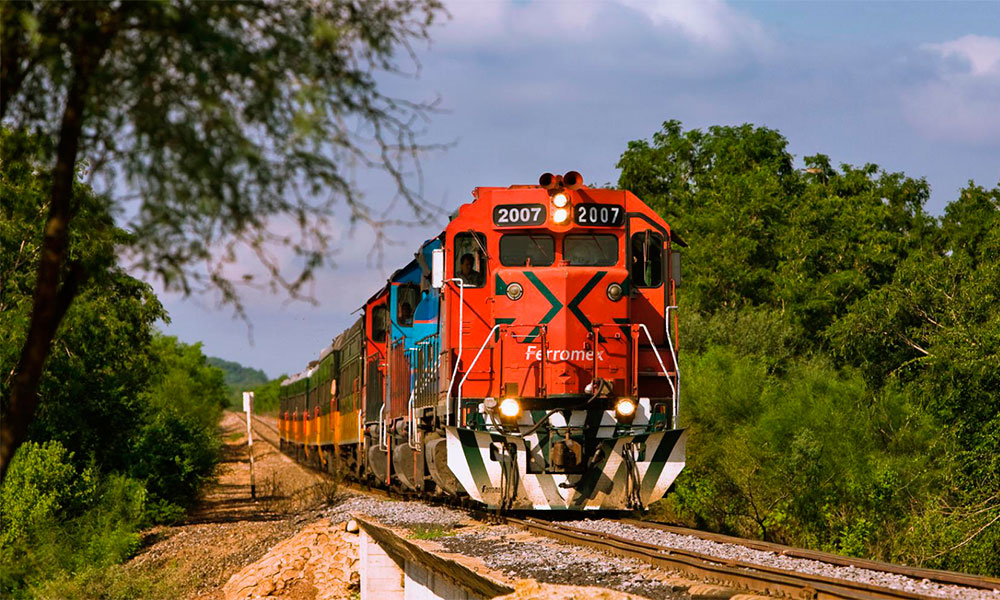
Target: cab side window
647, 259
380, 319
470, 259
407, 298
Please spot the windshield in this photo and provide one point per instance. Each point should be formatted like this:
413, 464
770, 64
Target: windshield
527, 250
591, 250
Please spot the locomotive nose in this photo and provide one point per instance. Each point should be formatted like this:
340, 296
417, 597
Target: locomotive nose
563, 328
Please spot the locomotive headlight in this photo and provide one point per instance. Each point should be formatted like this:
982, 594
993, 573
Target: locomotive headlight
560, 200
514, 291
625, 407
510, 407
614, 292
560, 215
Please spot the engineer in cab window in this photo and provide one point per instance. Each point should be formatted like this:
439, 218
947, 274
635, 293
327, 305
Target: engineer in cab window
469, 275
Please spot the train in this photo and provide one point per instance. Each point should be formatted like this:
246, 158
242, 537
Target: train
524, 360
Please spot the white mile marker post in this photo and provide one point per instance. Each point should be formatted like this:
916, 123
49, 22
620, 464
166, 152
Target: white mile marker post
248, 409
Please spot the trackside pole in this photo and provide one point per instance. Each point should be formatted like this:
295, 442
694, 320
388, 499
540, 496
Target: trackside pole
248, 409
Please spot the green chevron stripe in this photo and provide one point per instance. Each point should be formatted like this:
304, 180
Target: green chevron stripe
548, 295
501, 285
574, 304
623, 324
501, 321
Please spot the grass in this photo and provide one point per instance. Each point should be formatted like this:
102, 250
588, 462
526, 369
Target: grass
431, 532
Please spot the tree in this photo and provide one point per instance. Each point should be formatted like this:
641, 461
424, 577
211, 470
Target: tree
208, 122
806, 243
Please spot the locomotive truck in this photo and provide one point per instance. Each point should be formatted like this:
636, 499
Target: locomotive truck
526, 359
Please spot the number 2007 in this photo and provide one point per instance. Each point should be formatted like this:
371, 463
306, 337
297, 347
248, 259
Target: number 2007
518, 215
598, 215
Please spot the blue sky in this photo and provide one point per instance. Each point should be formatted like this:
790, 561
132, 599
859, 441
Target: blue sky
537, 86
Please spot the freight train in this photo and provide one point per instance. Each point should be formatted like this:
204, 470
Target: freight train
525, 359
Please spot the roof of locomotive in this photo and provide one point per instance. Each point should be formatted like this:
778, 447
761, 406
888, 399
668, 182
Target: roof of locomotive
326, 352
493, 194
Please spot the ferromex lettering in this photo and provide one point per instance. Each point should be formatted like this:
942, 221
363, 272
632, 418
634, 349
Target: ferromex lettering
535, 352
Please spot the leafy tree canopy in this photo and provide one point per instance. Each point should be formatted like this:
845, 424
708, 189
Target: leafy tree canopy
208, 127
843, 348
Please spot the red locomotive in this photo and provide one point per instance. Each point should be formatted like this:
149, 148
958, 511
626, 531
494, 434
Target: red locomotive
525, 358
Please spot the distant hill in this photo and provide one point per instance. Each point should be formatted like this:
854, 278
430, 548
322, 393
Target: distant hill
238, 378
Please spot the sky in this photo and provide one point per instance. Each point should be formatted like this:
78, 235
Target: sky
527, 87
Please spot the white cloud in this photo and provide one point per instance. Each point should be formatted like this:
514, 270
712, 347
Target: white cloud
959, 101
713, 23
979, 54
707, 24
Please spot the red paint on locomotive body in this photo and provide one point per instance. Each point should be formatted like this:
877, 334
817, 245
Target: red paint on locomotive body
560, 329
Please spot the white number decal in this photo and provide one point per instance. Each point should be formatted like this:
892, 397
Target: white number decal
537, 211
594, 214
502, 215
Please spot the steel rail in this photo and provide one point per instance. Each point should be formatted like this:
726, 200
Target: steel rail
734, 573
939, 576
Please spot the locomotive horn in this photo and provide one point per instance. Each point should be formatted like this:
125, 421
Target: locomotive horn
572, 180
549, 181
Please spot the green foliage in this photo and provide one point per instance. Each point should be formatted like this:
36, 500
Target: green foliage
44, 484
173, 456
265, 397
764, 234
808, 457
238, 379
431, 532
125, 432
58, 519
185, 384
223, 118
842, 349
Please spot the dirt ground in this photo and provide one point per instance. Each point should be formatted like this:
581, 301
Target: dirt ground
280, 544
230, 530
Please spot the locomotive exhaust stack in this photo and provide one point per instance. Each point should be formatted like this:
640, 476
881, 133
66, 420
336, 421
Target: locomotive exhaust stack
550, 181
572, 180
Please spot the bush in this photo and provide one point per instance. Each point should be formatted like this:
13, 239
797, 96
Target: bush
59, 520
173, 456
809, 457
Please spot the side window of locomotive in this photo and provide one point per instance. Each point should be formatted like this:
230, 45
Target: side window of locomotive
379, 321
407, 298
527, 250
470, 259
647, 259
591, 250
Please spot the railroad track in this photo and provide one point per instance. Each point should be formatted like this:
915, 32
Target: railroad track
732, 573
751, 576
935, 575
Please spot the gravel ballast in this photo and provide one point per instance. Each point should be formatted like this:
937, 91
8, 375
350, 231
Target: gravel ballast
557, 563
507, 549
659, 537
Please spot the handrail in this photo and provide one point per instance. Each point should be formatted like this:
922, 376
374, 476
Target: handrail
382, 434
458, 360
677, 371
410, 410
666, 373
469, 370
